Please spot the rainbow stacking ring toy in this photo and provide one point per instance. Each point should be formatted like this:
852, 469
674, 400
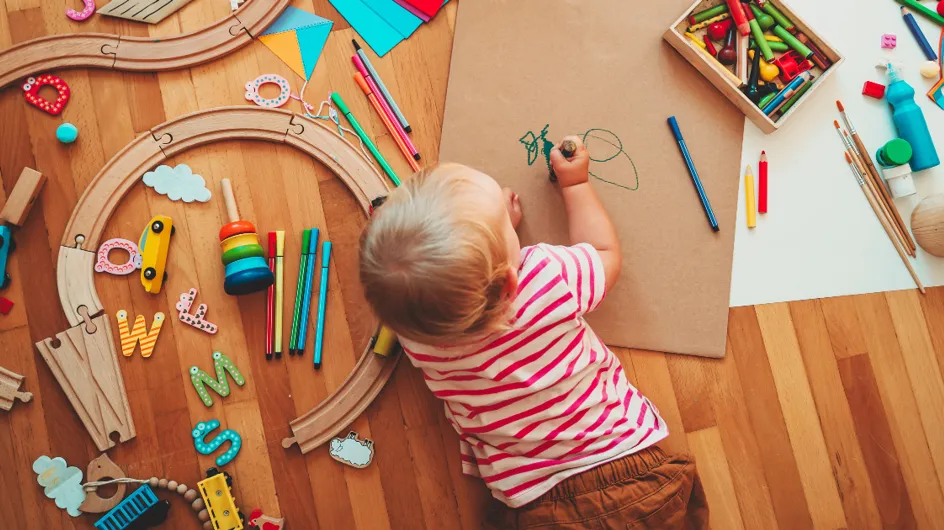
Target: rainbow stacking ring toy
246, 267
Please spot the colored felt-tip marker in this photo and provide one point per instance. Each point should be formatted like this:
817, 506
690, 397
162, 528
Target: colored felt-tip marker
709, 213
299, 292
787, 93
385, 118
339, 102
383, 88
270, 302
309, 285
279, 290
322, 301
395, 128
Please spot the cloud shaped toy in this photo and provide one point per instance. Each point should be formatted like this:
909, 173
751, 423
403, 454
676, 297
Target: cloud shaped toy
178, 183
61, 483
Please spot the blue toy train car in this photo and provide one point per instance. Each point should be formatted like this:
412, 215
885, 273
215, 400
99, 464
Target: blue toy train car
138, 511
6, 247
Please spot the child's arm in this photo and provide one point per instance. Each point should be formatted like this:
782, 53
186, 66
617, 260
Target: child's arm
587, 220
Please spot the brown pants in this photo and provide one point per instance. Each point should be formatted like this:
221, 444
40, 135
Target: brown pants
648, 489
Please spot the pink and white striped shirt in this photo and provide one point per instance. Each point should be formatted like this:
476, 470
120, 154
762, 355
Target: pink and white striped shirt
546, 399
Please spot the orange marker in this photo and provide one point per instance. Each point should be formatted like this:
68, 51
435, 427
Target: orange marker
361, 82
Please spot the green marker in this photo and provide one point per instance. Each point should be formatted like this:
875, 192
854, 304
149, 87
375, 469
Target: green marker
792, 41
708, 13
299, 291
336, 98
778, 16
763, 19
796, 97
766, 99
761, 41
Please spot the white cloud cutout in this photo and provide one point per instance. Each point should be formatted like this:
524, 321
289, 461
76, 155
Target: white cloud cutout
178, 183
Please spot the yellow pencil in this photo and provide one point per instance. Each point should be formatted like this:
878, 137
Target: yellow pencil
749, 198
279, 288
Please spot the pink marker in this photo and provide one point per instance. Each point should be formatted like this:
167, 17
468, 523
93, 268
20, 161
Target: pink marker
359, 64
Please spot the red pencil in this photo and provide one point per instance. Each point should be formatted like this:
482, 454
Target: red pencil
739, 17
762, 184
270, 301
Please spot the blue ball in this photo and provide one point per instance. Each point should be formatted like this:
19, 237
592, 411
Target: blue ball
67, 133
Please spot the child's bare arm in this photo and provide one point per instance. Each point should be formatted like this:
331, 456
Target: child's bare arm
587, 220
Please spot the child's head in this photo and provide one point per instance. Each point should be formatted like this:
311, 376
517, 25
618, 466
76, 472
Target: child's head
439, 259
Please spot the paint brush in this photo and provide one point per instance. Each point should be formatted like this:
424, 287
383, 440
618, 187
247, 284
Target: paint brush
869, 196
876, 178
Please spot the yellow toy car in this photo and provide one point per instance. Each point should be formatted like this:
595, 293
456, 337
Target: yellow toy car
154, 244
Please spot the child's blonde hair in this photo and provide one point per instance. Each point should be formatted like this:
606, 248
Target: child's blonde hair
434, 259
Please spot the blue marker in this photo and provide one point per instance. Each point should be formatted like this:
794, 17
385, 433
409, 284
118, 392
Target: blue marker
691, 169
322, 300
309, 284
787, 93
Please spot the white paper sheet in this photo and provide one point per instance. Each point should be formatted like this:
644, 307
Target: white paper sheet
820, 238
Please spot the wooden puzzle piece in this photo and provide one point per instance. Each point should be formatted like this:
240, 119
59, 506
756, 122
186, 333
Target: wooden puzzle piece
61, 483
203, 429
10, 389
102, 468
178, 183
31, 93
197, 319
220, 385
104, 264
5, 306
263, 522
85, 365
139, 333
79, 16
352, 450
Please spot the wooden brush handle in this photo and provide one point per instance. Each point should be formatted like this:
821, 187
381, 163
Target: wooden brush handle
891, 235
232, 211
886, 197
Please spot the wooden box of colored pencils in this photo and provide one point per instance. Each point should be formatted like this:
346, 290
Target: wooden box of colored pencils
688, 35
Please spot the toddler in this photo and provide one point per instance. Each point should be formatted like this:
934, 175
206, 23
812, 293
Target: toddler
544, 412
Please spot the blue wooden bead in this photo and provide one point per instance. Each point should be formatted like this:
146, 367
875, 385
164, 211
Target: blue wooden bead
67, 133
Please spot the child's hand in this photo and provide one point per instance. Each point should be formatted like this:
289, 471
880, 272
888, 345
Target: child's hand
572, 171
513, 205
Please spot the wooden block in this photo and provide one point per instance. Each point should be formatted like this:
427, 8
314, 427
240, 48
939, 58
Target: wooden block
86, 367
9, 389
23, 196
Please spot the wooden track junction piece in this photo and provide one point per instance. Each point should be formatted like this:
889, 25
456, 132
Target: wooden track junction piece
10, 389
141, 54
84, 358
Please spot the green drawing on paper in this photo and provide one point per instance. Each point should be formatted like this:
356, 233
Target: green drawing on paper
536, 144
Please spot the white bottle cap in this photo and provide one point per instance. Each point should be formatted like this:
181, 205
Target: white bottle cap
899, 180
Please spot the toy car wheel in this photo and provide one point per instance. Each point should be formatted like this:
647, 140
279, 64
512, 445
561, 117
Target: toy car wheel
241, 516
229, 479
165, 277
173, 230
157, 227
212, 472
6, 281
150, 273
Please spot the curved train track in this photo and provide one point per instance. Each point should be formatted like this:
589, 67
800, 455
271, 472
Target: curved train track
86, 351
102, 50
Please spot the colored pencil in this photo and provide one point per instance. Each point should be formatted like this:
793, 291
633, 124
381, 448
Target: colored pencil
749, 197
299, 292
918, 34
279, 290
270, 302
923, 10
361, 82
372, 85
322, 301
739, 16
762, 184
877, 179
712, 221
884, 222
337, 100
792, 88
309, 285
383, 88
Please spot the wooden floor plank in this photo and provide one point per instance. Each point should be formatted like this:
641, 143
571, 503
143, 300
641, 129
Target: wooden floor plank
713, 469
654, 381
836, 419
799, 412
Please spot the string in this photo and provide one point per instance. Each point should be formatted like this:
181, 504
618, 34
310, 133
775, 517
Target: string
332, 117
92, 486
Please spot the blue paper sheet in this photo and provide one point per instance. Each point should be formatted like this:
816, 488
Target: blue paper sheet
374, 29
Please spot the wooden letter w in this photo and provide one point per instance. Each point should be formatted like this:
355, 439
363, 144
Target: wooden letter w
139, 333
220, 385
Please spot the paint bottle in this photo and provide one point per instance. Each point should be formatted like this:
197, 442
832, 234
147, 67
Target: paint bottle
910, 122
899, 181
896, 152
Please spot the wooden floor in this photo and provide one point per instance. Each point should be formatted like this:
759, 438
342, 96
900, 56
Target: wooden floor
824, 414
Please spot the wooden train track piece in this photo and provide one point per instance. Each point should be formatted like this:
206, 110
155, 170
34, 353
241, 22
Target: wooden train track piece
10, 389
84, 358
150, 11
141, 54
